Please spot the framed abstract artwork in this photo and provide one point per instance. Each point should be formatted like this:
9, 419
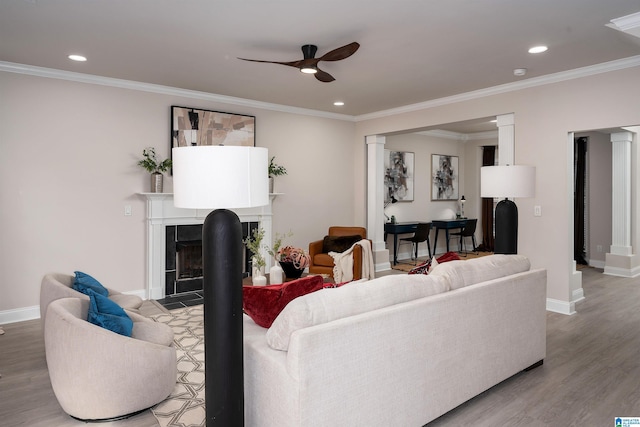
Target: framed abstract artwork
193, 126
398, 176
444, 177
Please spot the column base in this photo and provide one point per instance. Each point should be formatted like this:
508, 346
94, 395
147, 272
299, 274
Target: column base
622, 265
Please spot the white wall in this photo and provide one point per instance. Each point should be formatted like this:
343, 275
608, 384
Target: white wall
68, 154
544, 115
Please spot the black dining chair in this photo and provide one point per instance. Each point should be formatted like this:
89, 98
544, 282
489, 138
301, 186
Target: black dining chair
468, 230
421, 235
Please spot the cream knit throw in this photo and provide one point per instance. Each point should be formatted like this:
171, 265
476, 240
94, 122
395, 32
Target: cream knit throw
343, 263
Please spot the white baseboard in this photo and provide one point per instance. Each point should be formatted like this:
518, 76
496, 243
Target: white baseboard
562, 307
19, 314
577, 295
596, 263
622, 272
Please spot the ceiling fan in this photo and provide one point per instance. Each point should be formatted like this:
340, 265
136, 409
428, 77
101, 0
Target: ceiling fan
309, 64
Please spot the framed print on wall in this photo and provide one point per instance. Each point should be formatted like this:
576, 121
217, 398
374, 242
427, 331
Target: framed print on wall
444, 177
193, 126
398, 175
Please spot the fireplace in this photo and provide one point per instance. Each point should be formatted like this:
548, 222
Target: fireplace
163, 222
183, 257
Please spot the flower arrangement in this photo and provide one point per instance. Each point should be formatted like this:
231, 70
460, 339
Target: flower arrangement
254, 244
298, 257
151, 164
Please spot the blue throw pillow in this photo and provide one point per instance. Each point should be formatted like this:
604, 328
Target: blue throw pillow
84, 283
109, 315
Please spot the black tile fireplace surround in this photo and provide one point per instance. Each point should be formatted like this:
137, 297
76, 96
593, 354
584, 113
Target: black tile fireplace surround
183, 257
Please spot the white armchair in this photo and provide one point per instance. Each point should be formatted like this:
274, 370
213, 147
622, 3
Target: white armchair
97, 374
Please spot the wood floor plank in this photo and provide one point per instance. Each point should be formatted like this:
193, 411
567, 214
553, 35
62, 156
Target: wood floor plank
591, 373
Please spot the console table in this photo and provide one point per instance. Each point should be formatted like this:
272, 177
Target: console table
398, 228
446, 225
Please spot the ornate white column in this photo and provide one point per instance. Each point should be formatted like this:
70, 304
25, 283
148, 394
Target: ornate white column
375, 200
620, 260
621, 195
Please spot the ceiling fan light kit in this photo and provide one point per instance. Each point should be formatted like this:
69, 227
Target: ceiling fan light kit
309, 64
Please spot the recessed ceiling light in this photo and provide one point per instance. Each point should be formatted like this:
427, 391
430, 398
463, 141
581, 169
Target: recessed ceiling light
338, 103
538, 49
519, 72
78, 58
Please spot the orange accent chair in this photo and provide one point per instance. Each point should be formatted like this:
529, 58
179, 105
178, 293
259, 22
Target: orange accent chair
322, 263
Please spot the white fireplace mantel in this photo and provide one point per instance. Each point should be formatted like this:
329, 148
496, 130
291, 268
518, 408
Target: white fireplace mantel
161, 213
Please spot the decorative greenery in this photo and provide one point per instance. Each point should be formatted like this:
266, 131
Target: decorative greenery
275, 169
277, 243
150, 162
254, 244
299, 257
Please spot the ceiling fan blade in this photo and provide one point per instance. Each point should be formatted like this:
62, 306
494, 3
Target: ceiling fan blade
323, 76
340, 53
296, 64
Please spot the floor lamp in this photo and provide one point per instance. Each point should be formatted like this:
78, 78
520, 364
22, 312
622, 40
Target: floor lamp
507, 181
222, 178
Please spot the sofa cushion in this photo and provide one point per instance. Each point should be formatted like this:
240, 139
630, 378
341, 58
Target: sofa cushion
107, 314
332, 304
339, 243
264, 303
477, 270
83, 282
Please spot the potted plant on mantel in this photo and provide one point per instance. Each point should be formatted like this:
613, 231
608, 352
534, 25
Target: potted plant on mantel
155, 167
275, 170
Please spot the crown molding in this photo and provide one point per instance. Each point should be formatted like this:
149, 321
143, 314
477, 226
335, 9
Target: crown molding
633, 61
52, 73
605, 67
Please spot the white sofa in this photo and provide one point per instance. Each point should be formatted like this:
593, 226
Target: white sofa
400, 350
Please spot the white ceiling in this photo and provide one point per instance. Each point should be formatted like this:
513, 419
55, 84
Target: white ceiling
412, 51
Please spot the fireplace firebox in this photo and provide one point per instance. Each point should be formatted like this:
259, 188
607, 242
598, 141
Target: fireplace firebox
183, 257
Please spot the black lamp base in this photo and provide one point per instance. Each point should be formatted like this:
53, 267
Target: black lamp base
222, 279
506, 241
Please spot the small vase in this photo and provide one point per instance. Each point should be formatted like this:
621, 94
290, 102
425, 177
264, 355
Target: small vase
275, 275
156, 182
270, 184
259, 280
290, 270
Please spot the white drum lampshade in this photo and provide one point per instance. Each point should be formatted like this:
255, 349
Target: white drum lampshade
220, 177
508, 181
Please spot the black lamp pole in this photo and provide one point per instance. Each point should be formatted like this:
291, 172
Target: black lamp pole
506, 240
222, 279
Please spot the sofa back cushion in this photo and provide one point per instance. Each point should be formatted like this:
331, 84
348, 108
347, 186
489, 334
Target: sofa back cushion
477, 270
331, 304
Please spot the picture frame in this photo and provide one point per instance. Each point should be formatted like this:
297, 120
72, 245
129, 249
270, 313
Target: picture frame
444, 177
195, 126
399, 176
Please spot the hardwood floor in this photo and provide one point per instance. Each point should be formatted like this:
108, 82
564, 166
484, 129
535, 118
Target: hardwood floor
591, 373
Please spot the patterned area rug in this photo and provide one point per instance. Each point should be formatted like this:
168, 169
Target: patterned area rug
185, 406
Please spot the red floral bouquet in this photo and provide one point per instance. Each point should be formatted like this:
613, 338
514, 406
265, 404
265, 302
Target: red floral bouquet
298, 257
